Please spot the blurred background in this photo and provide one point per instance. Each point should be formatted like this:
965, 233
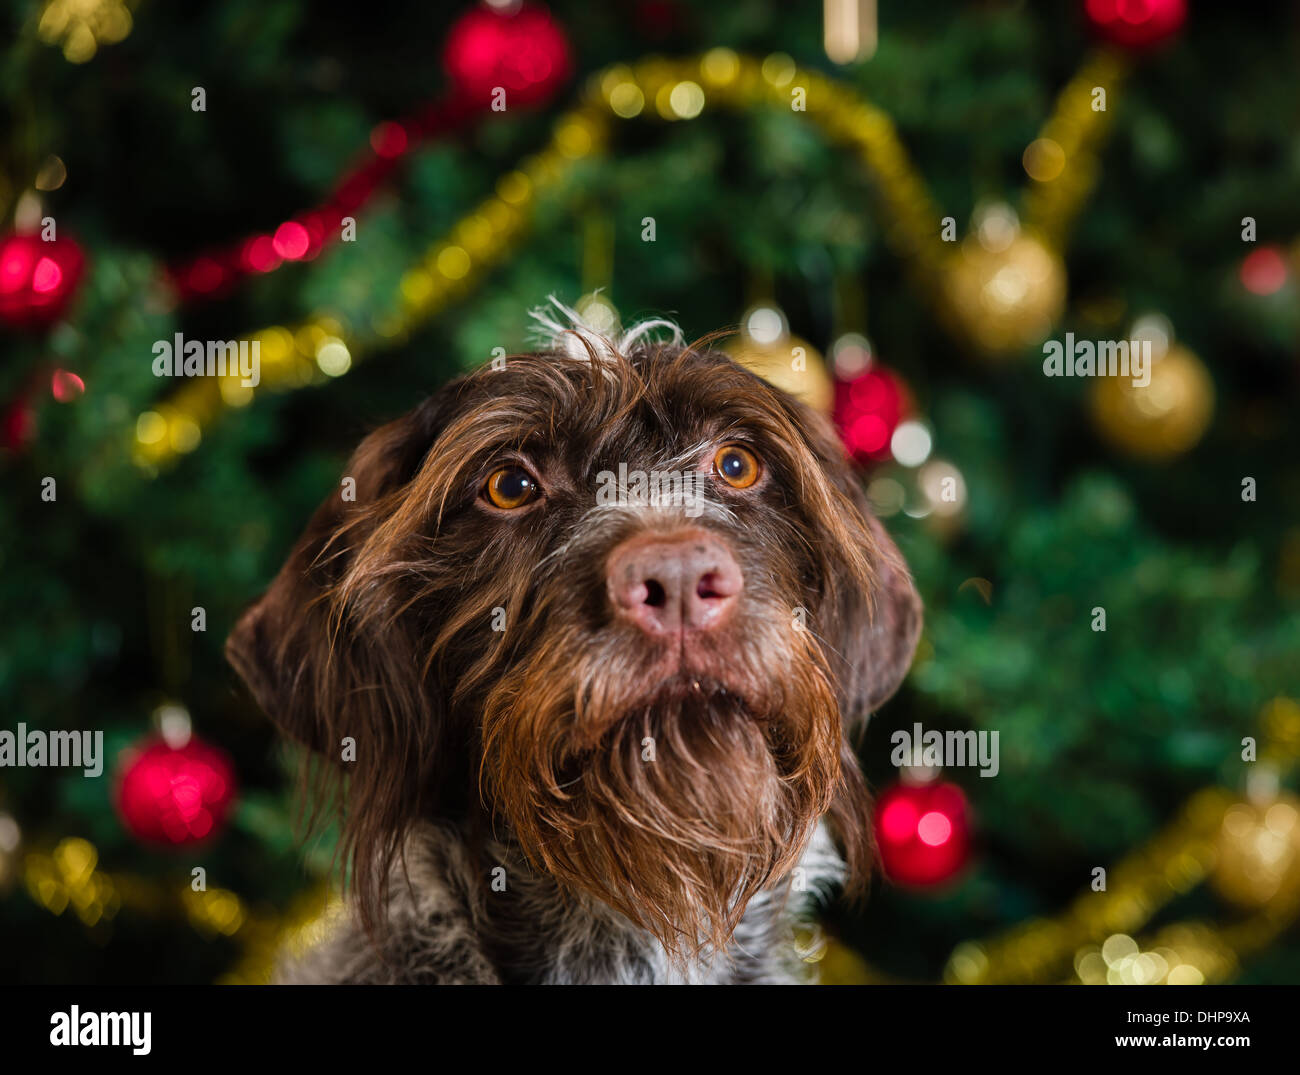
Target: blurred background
894, 208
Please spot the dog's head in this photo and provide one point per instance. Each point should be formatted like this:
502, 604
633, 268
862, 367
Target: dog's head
632, 605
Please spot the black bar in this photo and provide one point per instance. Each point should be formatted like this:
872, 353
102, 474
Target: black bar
575, 1026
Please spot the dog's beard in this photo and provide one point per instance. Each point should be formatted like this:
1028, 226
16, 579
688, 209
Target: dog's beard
674, 810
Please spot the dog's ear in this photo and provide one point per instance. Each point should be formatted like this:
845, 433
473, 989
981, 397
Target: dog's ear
885, 644
330, 653
873, 628
296, 647
876, 633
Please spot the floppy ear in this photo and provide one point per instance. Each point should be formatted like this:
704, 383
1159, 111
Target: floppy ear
886, 644
299, 647
330, 652
878, 631
872, 622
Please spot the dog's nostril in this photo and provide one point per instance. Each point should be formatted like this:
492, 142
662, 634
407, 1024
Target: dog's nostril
707, 589
655, 594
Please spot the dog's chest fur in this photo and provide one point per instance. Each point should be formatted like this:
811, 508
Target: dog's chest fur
446, 926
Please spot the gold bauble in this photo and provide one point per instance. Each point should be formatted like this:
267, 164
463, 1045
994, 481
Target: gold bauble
1258, 848
1163, 419
791, 364
1280, 723
1004, 299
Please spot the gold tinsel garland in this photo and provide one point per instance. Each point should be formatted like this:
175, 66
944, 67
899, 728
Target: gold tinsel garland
1064, 156
1093, 941
1011, 292
68, 878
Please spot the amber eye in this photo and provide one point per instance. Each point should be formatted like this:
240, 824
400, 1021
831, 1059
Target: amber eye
736, 466
510, 487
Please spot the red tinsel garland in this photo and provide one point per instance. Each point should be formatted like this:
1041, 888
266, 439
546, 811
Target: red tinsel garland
301, 238
524, 52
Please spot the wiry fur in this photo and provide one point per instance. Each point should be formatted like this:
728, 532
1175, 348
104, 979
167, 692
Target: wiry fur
443, 930
480, 749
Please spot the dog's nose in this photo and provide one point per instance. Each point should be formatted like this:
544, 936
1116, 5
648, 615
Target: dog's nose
682, 582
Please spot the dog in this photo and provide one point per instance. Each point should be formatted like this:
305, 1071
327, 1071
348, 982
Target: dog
588, 738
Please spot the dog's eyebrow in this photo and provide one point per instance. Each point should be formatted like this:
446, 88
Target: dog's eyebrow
687, 457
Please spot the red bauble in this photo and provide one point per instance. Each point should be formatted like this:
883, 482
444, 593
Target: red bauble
176, 796
37, 279
526, 53
18, 421
923, 831
868, 408
1264, 271
1136, 24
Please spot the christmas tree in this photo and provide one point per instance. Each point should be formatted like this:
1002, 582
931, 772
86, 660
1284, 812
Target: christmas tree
895, 216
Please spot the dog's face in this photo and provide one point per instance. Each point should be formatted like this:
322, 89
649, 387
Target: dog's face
630, 607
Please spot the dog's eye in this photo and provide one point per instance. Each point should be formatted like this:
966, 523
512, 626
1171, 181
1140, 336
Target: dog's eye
510, 487
736, 466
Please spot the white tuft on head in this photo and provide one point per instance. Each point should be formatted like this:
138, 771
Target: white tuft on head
561, 328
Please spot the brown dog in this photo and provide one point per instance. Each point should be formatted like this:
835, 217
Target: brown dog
597, 716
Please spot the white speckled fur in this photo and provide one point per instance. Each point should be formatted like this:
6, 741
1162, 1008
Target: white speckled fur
445, 926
